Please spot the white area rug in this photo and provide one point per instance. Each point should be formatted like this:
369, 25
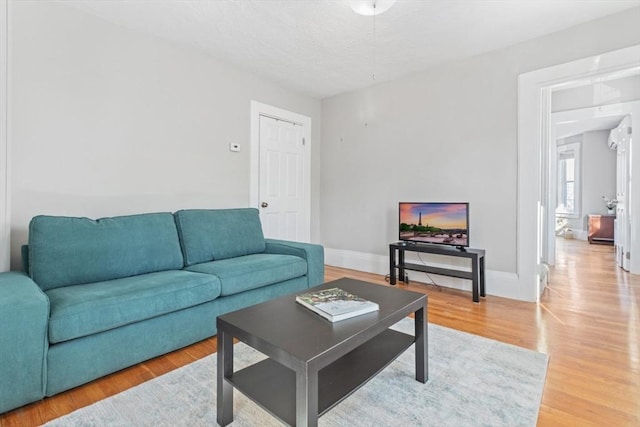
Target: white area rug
473, 381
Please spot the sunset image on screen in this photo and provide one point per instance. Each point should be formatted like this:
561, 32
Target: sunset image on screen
434, 223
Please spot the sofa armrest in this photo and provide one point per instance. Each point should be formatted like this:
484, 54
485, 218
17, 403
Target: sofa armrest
24, 315
314, 254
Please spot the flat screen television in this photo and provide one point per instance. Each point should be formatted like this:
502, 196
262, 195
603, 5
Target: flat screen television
439, 223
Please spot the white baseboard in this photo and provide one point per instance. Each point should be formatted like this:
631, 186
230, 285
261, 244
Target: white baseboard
497, 283
361, 261
580, 234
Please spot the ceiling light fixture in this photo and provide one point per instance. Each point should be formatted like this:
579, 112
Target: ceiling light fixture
371, 8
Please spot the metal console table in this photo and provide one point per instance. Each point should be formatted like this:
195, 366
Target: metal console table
476, 275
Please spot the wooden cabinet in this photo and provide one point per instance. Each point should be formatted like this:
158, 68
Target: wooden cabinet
601, 229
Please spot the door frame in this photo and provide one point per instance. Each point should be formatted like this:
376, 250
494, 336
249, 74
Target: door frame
259, 109
534, 110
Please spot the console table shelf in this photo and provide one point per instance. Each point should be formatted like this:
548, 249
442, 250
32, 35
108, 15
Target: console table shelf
476, 275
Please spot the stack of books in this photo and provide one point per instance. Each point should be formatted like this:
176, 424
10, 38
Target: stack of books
336, 304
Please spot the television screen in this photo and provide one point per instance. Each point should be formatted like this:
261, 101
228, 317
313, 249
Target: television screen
434, 222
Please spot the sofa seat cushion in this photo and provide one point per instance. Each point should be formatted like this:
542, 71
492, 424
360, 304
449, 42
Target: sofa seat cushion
252, 271
82, 310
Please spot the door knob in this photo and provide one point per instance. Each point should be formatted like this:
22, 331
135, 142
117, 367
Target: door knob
264, 204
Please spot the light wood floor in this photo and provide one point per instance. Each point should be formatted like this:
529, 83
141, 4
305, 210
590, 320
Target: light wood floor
588, 322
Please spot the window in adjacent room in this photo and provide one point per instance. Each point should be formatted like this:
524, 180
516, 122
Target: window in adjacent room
569, 180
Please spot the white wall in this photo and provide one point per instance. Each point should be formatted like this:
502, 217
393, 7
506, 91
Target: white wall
448, 133
107, 121
4, 153
599, 173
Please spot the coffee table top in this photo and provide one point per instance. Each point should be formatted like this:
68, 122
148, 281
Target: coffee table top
292, 334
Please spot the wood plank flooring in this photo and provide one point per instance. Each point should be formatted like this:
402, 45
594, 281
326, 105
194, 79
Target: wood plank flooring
588, 321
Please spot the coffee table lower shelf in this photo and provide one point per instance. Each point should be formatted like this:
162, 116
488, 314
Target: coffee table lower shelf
273, 386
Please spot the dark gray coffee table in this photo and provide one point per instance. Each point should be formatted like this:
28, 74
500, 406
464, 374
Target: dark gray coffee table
314, 364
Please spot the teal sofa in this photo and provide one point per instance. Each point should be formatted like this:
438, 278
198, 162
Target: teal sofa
97, 296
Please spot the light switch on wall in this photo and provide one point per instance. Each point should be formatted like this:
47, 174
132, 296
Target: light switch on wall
234, 147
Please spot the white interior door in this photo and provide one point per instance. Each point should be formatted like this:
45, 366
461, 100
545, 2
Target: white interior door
283, 191
633, 195
622, 136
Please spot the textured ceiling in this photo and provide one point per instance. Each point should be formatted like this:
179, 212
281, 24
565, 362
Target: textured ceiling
322, 48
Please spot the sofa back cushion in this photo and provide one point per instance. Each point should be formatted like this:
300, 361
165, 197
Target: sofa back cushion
214, 234
67, 251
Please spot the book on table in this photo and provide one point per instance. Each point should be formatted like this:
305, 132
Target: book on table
336, 304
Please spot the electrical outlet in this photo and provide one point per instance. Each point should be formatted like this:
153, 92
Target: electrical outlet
234, 147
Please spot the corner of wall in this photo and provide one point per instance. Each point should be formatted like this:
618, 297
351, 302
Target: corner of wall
4, 137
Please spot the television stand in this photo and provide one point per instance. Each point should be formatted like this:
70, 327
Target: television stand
476, 275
